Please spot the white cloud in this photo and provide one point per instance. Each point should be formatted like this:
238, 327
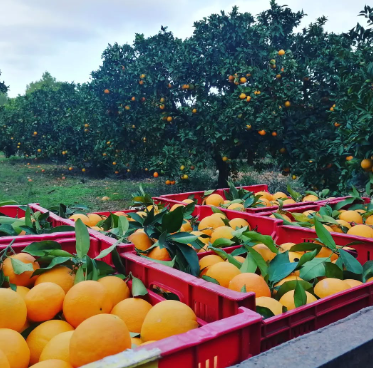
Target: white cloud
68, 37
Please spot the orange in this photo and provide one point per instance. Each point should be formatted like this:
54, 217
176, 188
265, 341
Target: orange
266, 195
309, 212
264, 251
242, 96
60, 275
352, 283
253, 283
160, 254
295, 256
283, 215
93, 219
14, 347
310, 198
214, 200
13, 311
58, 347
237, 258
148, 342
288, 201
176, 206
369, 220
262, 132
156, 175
281, 52
98, 337
272, 304
236, 207
286, 279
186, 226
326, 227
351, 216
135, 341
140, 240
42, 334
116, 288
209, 223
168, 318
133, 312
44, 301
84, 300
361, 230
238, 223
223, 273
187, 201
206, 262
84, 218
55, 363
22, 291
225, 232
366, 164
279, 195
4, 363
326, 252
285, 246
337, 228
24, 279
330, 286
287, 299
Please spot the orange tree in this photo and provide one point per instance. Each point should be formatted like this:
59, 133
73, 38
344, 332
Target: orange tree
354, 109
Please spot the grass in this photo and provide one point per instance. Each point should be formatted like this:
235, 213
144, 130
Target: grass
23, 181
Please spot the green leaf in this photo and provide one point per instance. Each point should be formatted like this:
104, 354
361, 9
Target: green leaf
79, 277
290, 285
300, 217
117, 261
324, 235
300, 297
210, 279
138, 288
258, 259
61, 229
134, 334
19, 267
367, 270
172, 221
314, 268
28, 221
7, 229
306, 257
123, 225
41, 248
165, 263
259, 238
2, 277
226, 256
55, 262
104, 269
264, 312
82, 239
208, 192
184, 238
107, 251
333, 271
191, 257
302, 247
351, 263
8, 203
222, 243
243, 289
293, 194
280, 267
249, 265
344, 203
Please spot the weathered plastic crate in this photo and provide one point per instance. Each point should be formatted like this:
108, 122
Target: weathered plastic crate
237, 335
16, 211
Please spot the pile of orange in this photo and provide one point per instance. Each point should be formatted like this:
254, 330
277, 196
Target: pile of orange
351, 222
266, 199
78, 324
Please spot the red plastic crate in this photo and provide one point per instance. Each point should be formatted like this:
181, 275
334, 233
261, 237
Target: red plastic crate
218, 344
200, 194
67, 241
209, 301
16, 211
238, 334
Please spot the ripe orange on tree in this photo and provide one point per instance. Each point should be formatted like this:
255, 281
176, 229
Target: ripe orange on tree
106, 91
262, 132
349, 158
243, 80
242, 96
156, 175
281, 52
287, 104
248, 99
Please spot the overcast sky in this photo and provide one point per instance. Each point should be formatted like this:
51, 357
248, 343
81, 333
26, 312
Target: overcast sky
68, 37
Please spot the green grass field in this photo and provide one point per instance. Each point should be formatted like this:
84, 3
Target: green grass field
27, 184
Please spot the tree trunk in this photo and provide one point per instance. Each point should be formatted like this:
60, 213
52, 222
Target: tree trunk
223, 169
